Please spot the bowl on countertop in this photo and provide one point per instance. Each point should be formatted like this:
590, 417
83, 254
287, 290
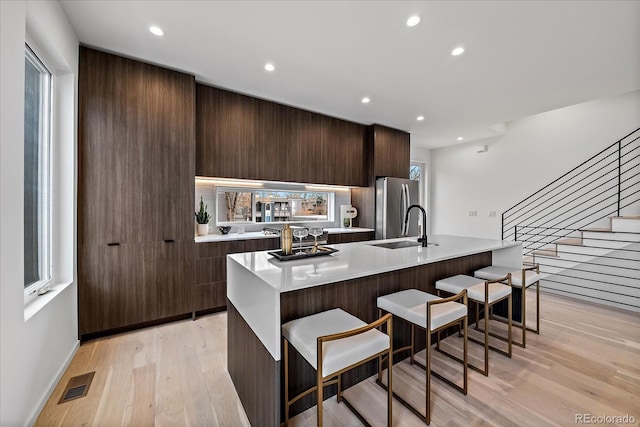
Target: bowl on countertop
224, 229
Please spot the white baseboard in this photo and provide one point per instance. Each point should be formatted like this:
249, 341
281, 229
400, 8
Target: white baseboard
54, 382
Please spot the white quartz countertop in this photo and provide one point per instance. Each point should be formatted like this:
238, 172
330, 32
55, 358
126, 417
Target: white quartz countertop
359, 259
261, 235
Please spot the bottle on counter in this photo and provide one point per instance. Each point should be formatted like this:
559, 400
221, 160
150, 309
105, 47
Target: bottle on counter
286, 240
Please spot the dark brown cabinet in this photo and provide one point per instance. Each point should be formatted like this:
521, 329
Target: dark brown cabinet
351, 237
391, 152
388, 154
238, 136
110, 154
172, 286
169, 154
112, 284
210, 292
136, 165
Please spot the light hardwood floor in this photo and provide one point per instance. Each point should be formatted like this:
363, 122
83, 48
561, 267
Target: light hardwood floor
586, 361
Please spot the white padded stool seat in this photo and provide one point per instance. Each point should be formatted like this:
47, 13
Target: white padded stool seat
497, 272
303, 335
474, 286
410, 305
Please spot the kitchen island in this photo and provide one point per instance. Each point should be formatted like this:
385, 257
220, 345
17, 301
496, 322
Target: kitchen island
264, 293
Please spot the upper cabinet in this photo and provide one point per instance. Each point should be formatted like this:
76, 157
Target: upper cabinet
136, 143
391, 152
238, 136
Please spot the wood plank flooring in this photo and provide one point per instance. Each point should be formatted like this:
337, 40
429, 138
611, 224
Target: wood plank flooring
586, 361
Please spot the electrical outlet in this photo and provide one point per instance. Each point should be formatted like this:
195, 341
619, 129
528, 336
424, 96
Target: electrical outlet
473, 213
492, 214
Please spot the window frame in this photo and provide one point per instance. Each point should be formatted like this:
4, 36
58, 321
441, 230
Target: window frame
45, 178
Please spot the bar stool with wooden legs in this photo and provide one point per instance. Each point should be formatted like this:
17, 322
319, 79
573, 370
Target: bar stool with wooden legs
334, 342
432, 314
487, 293
522, 279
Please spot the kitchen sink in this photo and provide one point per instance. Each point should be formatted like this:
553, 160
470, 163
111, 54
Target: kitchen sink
401, 244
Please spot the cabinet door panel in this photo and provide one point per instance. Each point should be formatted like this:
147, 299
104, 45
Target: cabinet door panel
112, 286
169, 146
172, 287
210, 270
210, 296
225, 133
212, 249
391, 152
110, 127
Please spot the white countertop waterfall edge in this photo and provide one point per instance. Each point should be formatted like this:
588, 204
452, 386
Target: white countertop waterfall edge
255, 280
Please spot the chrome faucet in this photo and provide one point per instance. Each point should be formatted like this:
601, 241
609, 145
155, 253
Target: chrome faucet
422, 239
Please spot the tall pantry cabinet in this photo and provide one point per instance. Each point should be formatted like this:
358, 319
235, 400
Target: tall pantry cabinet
136, 165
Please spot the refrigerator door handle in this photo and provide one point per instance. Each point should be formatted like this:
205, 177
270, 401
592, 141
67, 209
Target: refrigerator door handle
405, 206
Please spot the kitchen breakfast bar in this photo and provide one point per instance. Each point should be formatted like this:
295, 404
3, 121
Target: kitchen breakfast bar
263, 293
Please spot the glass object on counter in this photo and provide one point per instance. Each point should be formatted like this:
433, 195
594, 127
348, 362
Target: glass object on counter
315, 232
300, 233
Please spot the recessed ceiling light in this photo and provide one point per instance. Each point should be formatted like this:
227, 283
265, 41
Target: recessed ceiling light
269, 66
457, 51
365, 100
420, 118
413, 21
460, 138
156, 30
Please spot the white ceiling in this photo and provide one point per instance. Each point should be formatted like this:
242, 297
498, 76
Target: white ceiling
521, 58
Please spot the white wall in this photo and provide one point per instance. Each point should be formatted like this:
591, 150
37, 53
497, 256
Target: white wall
36, 348
533, 152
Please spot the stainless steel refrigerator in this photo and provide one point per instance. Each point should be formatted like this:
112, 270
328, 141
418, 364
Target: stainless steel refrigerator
393, 197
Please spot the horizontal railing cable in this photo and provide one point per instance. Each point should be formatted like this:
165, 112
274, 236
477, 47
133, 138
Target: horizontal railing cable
553, 226
615, 178
614, 145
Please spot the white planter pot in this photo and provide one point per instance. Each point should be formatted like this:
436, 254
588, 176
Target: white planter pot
203, 229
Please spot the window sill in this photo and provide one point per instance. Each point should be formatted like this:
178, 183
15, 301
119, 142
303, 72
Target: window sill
33, 303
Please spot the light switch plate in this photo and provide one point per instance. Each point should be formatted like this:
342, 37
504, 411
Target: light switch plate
492, 214
473, 213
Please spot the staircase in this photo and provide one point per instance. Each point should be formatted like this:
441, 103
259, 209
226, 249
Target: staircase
601, 265
584, 228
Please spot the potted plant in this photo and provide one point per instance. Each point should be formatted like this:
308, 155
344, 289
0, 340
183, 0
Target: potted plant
202, 217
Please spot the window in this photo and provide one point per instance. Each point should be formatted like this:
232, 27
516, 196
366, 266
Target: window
37, 173
243, 205
415, 172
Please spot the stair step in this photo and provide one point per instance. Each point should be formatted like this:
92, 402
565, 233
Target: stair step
573, 241
626, 223
598, 229
547, 251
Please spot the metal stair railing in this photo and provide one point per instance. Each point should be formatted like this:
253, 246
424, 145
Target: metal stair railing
600, 187
599, 268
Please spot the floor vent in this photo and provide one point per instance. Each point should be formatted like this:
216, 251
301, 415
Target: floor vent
77, 387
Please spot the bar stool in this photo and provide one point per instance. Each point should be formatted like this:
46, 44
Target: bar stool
522, 279
334, 342
488, 293
432, 314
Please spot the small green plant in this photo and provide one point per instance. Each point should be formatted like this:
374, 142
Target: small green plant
202, 216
